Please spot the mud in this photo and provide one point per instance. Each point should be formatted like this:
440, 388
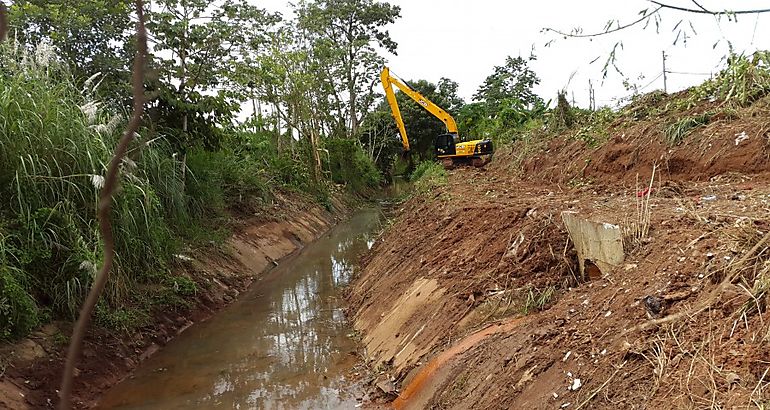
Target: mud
494, 249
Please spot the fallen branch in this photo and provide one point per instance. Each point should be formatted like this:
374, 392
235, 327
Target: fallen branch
104, 209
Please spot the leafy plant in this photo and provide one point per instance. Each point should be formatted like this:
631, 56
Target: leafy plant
744, 80
676, 132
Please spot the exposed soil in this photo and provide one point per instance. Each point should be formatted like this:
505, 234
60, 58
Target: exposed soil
32, 367
679, 324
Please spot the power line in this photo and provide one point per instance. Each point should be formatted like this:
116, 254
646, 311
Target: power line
651, 82
686, 73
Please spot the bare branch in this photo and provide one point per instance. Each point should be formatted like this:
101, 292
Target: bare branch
702, 10
104, 209
618, 28
3, 22
700, 7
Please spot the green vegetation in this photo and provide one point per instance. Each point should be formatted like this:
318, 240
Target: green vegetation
428, 175
192, 166
537, 299
676, 132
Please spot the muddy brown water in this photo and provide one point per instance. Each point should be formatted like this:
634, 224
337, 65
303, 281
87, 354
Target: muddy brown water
285, 344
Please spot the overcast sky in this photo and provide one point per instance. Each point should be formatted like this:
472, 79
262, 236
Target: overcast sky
463, 40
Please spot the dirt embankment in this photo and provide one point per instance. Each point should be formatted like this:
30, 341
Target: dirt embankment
32, 367
473, 297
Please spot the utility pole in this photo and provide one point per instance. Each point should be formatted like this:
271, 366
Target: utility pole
591, 96
665, 81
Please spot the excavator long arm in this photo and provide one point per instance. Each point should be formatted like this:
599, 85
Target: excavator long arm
387, 83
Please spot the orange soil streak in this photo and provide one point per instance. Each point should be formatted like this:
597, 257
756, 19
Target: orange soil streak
418, 383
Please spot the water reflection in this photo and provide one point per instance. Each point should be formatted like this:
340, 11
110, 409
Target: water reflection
284, 344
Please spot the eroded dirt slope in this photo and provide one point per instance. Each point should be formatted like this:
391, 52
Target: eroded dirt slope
679, 324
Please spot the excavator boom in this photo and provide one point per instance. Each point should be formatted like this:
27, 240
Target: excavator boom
449, 149
388, 81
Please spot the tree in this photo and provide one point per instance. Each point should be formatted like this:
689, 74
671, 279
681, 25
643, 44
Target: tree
344, 36
379, 137
448, 89
513, 80
197, 47
91, 36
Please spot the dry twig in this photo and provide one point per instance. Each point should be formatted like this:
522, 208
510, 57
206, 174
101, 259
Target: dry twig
104, 209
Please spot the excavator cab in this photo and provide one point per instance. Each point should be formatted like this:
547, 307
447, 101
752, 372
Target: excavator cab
445, 144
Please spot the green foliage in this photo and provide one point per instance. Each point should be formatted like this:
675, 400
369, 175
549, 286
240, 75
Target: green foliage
427, 176
676, 132
54, 144
90, 36
123, 319
348, 164
513, 80
537, 299
562, 118
381, 140
593, 125
342, 38
744, 80
18, 311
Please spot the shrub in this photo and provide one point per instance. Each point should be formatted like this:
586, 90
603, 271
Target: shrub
348, 163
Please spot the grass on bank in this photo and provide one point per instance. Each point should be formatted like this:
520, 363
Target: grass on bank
55, 142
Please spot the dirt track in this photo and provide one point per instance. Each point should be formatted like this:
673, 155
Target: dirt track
491, 246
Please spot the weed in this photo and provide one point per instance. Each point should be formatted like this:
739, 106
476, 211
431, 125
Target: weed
123, 319
428, 175
537, 299
744, 80
636, 232
676, 132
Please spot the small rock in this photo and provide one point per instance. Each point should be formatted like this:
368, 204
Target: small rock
654, 305
385, 385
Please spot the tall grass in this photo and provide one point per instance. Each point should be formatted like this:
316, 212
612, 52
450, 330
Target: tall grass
54, 144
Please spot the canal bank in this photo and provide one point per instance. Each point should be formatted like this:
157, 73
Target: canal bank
221, 272
284, 344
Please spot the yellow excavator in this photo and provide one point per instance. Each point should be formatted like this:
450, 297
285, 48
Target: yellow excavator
450, 149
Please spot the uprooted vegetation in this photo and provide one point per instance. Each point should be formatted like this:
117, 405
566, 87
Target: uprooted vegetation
698, 133
681, 323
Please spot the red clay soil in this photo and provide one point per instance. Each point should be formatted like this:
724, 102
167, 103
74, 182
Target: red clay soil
494, 243
32, 367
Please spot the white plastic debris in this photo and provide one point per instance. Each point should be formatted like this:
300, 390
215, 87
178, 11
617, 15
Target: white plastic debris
566, 356
576, 384
741, 137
